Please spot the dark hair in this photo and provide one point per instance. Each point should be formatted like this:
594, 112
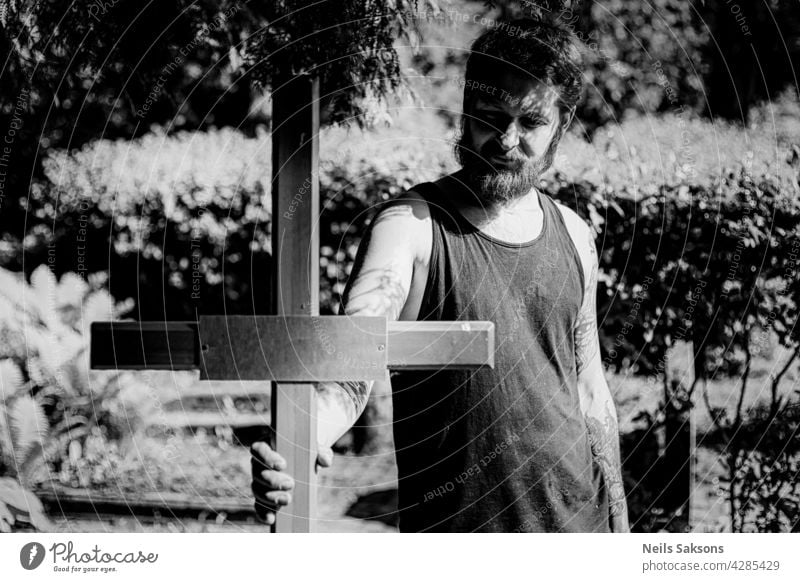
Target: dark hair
543, 49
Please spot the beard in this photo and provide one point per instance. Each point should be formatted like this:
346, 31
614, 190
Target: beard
493, 185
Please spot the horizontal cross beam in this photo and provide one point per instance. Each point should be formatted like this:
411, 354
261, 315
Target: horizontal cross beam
292, 348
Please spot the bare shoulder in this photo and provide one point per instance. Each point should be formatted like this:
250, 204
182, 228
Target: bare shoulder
405, 222
415, 204
582, 236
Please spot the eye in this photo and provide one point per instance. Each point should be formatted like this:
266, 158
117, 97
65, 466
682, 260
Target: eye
489, 117
531, 122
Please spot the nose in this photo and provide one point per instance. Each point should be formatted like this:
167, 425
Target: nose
510, 137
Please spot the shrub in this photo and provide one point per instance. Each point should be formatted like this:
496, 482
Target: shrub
763, 489
683, 210
681, 207
165, 213
49, 401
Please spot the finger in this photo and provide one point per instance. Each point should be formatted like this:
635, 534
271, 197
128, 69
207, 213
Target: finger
268, 500
273, 480
272, 501
266, 457
264, 513
325, 457
279, 498
268, 519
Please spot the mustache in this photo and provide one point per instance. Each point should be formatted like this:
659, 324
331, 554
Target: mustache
491, 150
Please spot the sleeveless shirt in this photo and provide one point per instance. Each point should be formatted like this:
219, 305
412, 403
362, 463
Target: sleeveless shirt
503, 449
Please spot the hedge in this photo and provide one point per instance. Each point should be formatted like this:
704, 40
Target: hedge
682, 208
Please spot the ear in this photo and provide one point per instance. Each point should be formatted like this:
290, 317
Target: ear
566, 117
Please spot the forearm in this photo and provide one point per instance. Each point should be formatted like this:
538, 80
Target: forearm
602, 427
378, 286
339, 404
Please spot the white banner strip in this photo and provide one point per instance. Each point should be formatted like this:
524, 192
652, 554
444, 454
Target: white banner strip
415, 558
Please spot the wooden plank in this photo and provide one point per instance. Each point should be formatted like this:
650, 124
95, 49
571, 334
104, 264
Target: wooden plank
293, 348
295, 257
426, 345
412, 345
209, 389
68, 501
152, 345
210, 419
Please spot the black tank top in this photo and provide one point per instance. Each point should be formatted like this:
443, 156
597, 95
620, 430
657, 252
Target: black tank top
501, 449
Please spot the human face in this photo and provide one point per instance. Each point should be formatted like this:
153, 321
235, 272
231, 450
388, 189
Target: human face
510, 133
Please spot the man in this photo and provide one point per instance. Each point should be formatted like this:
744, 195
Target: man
531, 445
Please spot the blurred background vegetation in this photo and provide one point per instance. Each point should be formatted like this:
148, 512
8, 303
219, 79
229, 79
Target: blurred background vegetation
684, 156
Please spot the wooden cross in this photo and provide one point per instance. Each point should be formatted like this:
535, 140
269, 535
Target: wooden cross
296, 347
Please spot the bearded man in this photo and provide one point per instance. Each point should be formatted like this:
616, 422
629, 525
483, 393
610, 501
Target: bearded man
531, 445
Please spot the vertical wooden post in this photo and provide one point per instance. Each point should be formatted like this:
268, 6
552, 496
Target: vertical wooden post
679, 458
295, 253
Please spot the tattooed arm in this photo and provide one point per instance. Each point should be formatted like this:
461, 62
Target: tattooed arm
384, 281
595, 397
388, 278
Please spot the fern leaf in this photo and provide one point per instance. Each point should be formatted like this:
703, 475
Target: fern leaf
29, 426
44, 285
11, 383
8, 314
17, 293
71, 290
46, 348
98, 306
31, 463
13, 287
11, 380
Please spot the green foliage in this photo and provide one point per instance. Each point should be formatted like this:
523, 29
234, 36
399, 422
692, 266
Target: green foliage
75, 73
683, 209
185, 220
49, 401
19, 508
765, 466
640, 58
92, 461
101, 68
348, 44
698, 232
710, 57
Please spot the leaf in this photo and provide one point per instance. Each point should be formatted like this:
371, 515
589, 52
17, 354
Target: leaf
12, 286
44, 285
11, 379
98, 306
29, 426
17, 498
71, 290
72, 346
21, 504
31, 463
8, 315
47, 348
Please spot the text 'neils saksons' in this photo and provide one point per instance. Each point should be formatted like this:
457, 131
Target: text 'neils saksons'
665, 548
